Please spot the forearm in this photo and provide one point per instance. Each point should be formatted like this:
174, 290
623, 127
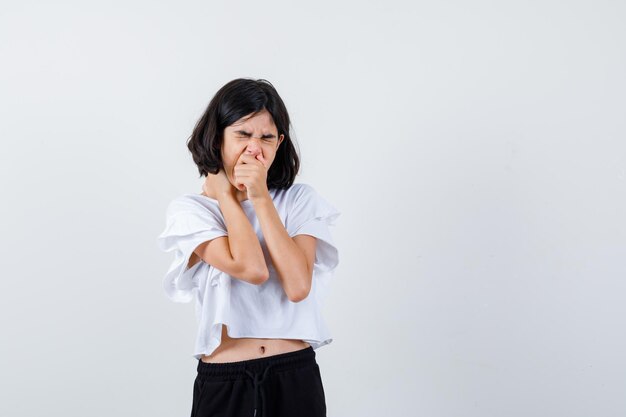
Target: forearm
244, 244
287, 258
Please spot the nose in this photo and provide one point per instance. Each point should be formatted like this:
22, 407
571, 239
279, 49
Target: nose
253, 148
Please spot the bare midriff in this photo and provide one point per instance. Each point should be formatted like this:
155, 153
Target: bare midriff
242, 349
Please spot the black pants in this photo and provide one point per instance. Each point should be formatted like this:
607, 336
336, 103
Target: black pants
284, 385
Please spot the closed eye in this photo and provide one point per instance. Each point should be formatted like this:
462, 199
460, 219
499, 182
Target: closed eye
243, 133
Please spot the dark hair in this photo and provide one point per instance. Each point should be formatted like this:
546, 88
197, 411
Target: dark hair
237, 99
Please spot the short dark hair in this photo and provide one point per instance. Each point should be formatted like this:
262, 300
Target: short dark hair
234, 100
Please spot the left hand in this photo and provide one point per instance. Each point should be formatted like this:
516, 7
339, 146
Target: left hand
251, 176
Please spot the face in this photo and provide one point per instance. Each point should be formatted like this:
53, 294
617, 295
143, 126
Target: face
252, 135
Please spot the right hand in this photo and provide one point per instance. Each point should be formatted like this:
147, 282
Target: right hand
217, 185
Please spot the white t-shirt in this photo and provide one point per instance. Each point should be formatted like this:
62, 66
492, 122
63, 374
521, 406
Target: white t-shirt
248, 310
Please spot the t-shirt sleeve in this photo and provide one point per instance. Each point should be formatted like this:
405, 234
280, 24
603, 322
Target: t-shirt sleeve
188, 224
311, 214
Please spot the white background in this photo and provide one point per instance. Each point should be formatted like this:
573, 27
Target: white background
476, 150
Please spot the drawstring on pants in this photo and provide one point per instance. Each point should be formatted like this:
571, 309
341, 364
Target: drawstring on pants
258, 380
216, 374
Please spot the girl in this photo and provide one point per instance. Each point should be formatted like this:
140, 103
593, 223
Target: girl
255, 251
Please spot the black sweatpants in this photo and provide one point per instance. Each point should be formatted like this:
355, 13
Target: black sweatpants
284, 385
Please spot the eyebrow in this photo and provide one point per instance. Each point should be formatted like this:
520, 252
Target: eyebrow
244, 133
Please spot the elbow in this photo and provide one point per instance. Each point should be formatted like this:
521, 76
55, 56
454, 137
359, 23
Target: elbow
252, 274
301, 292
298, 296
258, 276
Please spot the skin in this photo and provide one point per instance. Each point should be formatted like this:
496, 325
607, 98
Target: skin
246, 160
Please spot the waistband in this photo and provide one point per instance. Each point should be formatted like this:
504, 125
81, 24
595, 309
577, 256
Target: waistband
280, 362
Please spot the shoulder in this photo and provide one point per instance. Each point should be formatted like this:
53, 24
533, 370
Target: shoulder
305, 201
300, 191
285, 198
192, 203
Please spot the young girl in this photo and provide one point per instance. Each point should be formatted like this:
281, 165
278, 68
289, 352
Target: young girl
255, 251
